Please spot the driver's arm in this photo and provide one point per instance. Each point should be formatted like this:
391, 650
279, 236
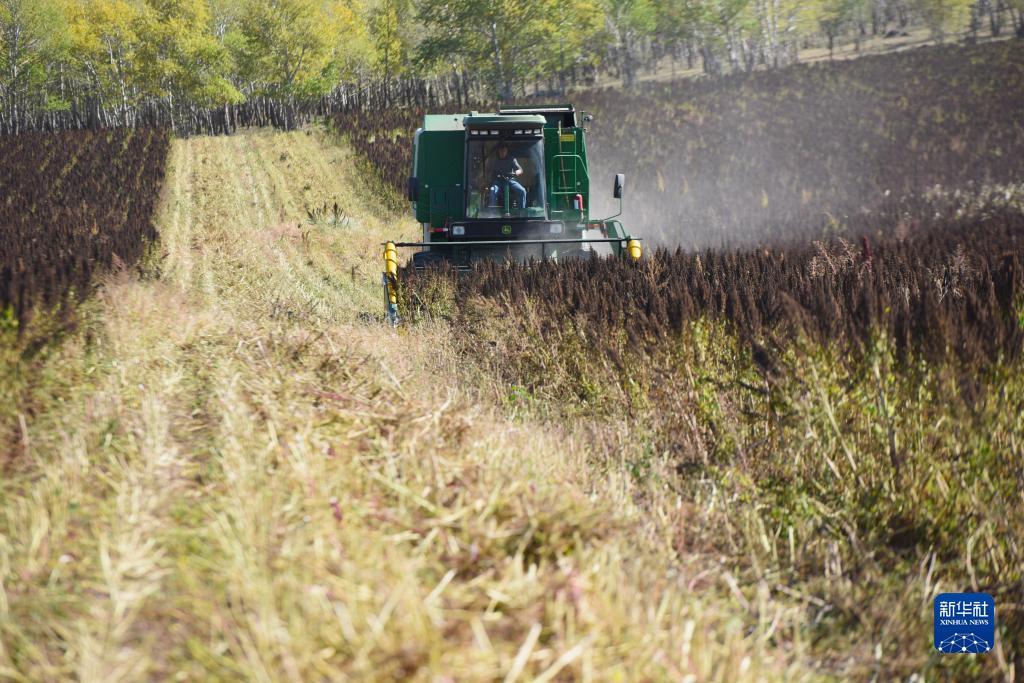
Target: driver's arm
517, 169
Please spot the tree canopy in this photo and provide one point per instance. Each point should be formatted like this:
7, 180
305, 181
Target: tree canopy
105, 59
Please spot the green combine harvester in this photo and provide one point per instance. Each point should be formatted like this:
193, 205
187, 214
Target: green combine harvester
510, 186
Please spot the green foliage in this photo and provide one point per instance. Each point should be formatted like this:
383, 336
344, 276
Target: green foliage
8, 320
942, 15
833, 16
112, 59
33, 35
627, 22
176, 54
508, 41
393, 37
285, 50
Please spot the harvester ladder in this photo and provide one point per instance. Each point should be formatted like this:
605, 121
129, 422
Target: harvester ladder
568, 175
565, 179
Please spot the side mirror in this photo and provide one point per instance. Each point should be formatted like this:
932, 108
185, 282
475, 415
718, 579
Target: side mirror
620, 181
412, 189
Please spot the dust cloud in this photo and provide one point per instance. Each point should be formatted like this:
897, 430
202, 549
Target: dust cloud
801, 153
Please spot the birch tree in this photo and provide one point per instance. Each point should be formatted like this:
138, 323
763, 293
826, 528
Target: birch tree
33, 35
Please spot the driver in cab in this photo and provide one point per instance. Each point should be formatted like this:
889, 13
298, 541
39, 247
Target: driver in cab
507, 169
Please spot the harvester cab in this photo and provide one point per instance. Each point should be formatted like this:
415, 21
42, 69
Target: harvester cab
507, 186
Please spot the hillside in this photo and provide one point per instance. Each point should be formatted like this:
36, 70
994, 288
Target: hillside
226, 473
811, 150
800, 153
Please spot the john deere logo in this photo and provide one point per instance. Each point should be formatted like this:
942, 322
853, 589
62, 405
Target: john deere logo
506, 230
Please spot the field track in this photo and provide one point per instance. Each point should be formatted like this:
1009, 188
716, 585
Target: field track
226, 473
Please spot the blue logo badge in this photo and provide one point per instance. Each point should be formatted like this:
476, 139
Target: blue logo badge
965, 623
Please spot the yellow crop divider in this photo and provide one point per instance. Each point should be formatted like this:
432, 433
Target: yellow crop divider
634, 249
390, 277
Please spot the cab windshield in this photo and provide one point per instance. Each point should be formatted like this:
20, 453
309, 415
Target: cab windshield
505, 178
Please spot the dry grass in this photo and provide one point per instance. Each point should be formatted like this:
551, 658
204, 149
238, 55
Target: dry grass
858, 484
225, 474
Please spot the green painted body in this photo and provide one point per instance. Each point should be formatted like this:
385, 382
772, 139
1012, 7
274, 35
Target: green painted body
455, 199
442, 188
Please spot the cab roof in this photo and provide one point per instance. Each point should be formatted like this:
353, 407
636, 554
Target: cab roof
502, 121
443, 121
556, 115
477, 120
